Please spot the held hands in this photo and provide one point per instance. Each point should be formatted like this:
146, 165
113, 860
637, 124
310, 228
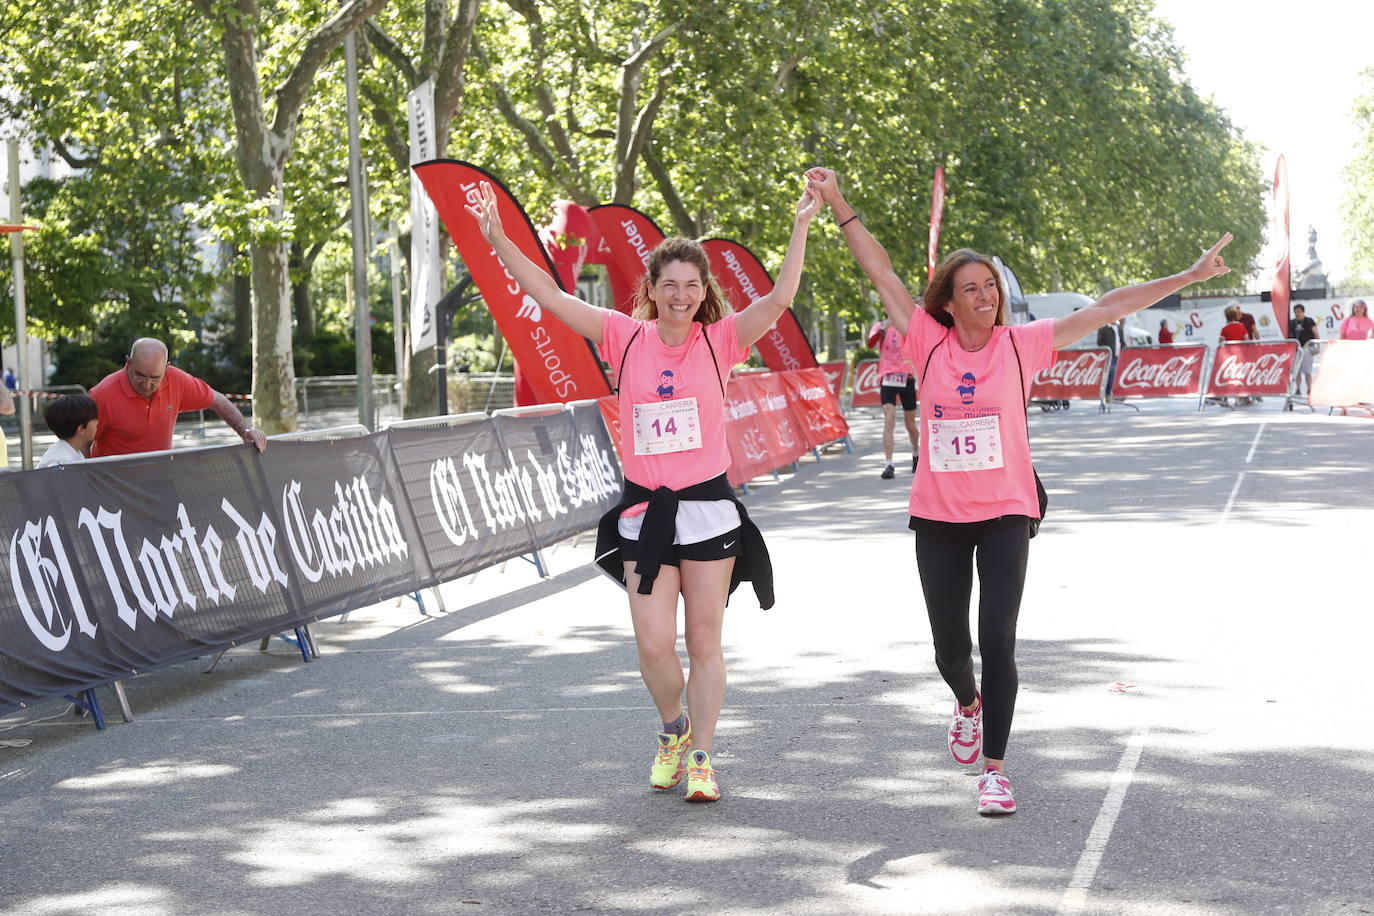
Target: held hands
487, 215
824, 182
1210, 264
808, 205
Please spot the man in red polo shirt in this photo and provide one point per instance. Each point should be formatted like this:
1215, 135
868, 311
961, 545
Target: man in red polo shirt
139, 404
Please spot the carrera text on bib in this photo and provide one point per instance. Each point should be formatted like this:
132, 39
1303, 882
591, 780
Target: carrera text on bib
974, 444
668, 426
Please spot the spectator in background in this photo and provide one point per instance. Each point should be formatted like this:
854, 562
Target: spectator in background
1234, 329
73, 420
1358, 326
1304, 331
139, 404
11, 382
1251, 329
1113, 337
6, 408
1166, 336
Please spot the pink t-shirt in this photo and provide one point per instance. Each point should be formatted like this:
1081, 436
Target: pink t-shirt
891, 356
960, 394
655, 372
1357, 327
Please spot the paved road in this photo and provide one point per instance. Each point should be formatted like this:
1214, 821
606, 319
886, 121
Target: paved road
492, 759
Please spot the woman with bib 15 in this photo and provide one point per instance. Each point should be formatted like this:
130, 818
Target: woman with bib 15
975, 493
678, 530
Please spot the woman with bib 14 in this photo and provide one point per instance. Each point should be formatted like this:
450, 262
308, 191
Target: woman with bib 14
975, 494
679, 530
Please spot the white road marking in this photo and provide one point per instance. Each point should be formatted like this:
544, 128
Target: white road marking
1259, 432
1226, 513
1076, 896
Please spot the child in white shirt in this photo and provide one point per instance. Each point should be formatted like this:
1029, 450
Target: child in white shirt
72, 418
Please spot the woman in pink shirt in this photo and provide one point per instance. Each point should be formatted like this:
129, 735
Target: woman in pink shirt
1358, 326
975, 492
679, 530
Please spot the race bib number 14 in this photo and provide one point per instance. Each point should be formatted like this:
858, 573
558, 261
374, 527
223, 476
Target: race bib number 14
669, 426
974, 444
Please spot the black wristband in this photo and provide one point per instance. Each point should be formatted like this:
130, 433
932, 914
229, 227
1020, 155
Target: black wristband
848, 221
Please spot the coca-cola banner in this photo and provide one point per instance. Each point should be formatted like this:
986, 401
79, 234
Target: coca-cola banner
835, 373
558, 363
744, 279
866, 384
1074, 375
1159, 372
815, 406
1345, 375
1252, 369
627, 238
118, 566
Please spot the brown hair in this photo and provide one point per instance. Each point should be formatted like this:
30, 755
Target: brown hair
941, 290
1232, 313
713, 309
1359, 304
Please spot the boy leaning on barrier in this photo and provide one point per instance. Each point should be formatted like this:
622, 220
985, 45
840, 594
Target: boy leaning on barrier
73, 419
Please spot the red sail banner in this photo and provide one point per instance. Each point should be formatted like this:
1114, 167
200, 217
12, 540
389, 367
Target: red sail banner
937, 212
744, 279
627, 238
1160, 372
560, 363
1252, 369
1283, 268
1074, 375
866, 383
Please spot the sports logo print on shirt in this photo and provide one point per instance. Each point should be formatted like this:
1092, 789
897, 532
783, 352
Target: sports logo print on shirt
968, 389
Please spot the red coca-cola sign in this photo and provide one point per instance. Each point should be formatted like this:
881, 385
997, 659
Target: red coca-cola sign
1159, 372
1074, 374
866, 382
1252, 369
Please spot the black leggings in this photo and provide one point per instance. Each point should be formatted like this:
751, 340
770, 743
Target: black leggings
944, 556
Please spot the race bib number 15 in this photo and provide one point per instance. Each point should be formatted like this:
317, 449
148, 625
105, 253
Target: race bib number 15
974, 444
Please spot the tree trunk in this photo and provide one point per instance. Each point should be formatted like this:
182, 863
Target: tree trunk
243, 310
274, 375
301, 304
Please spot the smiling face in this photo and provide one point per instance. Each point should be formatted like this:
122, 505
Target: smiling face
1360, 310
678, 292
975, 298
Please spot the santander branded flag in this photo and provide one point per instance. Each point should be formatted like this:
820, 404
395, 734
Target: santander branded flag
560, 364
1283, 269
744, 279
627, 238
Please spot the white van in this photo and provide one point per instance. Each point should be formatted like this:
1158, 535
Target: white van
1057, 305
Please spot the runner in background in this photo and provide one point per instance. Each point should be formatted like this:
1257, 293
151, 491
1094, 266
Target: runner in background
898, 382
975, 490
678, 530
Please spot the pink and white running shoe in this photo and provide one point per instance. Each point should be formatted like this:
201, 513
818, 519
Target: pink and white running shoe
966, 733
994, 793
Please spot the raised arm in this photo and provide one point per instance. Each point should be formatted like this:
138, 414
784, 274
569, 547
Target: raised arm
1127, 300
761, 314
872, 257
582, 317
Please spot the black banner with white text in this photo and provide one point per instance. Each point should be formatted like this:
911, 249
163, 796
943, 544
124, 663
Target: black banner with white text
111, 568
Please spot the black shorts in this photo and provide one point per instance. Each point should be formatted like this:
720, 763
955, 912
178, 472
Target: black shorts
888, 394
720, 547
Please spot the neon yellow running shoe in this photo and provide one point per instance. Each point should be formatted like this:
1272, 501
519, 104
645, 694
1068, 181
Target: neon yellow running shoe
668, 768
701, 778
